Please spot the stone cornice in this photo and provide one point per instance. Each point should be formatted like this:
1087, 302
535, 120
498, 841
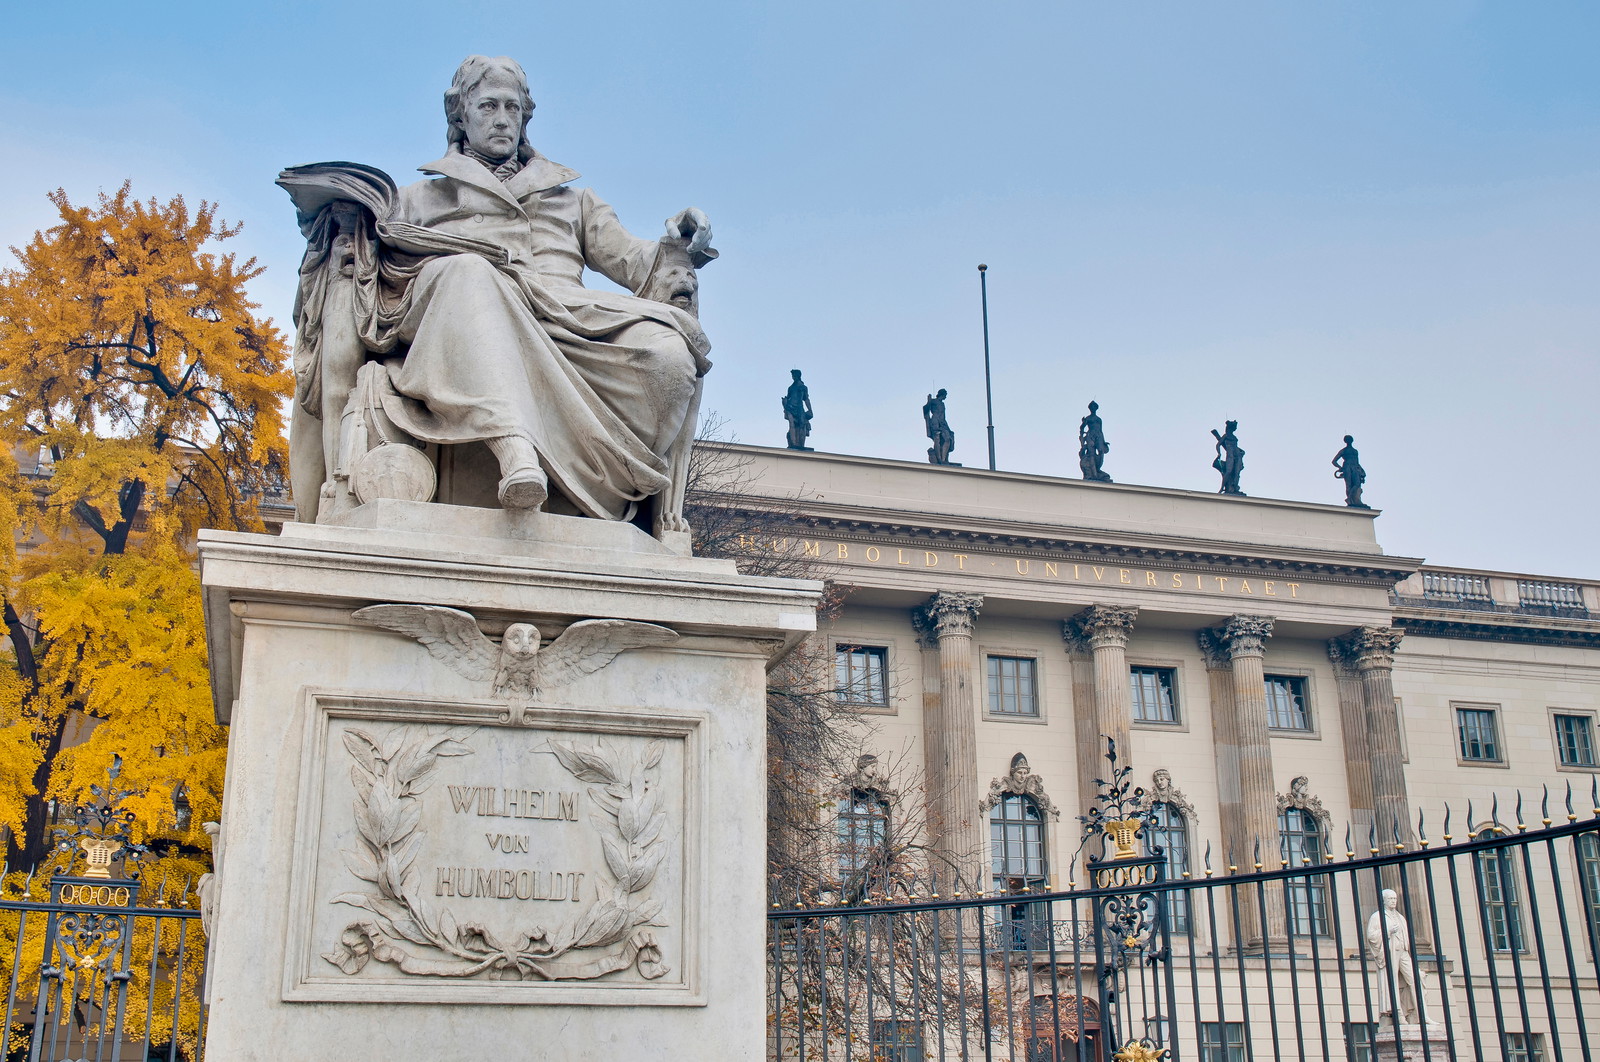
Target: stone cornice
1008, 538
1478, 626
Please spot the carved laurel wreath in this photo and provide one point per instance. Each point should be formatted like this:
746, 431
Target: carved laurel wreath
390, 774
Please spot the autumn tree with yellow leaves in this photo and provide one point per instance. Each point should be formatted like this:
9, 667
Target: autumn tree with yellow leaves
133, 362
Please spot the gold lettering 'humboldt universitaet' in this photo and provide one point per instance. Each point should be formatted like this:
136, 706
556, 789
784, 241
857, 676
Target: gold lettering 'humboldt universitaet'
1030, 568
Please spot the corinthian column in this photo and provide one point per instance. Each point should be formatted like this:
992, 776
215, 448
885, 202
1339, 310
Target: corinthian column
1087, 743
1107, 628
1244, 639
1225, 742
954, 781
1353, 725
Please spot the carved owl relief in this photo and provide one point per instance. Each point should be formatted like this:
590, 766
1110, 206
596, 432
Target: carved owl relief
521, 666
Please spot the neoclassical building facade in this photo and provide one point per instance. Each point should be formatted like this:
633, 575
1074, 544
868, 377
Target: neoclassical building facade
1273, 676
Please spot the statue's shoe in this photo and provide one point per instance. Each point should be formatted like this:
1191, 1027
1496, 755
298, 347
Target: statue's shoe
524, 488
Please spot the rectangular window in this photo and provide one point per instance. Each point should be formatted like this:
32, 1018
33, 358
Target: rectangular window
1287, 708
1154, 699
861, 673
1478, 735
1013, 686
1524, 1047
1575, 740
1589, 875
896, 1040
1358, 1039
1222, 1041
1497, 895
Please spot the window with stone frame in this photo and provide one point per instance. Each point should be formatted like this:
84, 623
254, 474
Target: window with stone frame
1499, 898
1155, 694
862, 831
1478, 734
861, 674
1169, 831
1587, 848
1020, 863
1222, 1041
1013, 686
1574, 739
1306, 899
1359, 1038
896, 1040
1288, 708
1524, 1047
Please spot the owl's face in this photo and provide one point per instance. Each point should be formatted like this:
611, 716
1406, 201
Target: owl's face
521, 640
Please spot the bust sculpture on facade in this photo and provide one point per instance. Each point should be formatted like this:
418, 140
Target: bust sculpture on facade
450, 317
938, 429
797, 411
1092, 446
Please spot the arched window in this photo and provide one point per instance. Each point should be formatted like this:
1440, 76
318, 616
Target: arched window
1016, 844
1499, 895
1169, 831
863, 836
1302, 845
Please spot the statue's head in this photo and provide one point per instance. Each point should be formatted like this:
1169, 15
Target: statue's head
1019, 767
488, 106
796, 374
1391, 899
1094, 407
1233, 425
942, 394
673, 280
1348, 439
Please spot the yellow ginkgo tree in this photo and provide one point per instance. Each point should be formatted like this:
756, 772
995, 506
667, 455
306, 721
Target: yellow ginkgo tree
141, 399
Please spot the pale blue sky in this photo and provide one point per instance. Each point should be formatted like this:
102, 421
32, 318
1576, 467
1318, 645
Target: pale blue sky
1374, 218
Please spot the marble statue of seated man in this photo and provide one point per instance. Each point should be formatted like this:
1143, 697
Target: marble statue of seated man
468, 287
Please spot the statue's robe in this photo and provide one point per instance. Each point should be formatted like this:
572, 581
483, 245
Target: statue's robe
503, 338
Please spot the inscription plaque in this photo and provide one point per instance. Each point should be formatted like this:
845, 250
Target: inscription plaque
447, 856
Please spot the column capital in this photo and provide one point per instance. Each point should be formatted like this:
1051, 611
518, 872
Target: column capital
949, 612
1368, 648
1072, 634
1246, 635
927, 631
1344, 663
1214, 648
1105, 626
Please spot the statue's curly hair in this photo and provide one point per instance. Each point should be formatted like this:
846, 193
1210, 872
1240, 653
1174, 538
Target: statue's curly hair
469, 75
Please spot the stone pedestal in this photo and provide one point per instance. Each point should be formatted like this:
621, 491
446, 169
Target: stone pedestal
1408, 1046
436, 847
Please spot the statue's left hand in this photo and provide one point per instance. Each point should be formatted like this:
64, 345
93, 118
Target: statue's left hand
692, 223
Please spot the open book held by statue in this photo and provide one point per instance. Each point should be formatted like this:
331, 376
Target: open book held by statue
447, 348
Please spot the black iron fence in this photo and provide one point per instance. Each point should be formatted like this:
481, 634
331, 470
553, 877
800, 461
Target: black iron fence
1475, 946
102, 969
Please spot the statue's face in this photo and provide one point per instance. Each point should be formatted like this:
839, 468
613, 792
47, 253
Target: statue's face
493, 118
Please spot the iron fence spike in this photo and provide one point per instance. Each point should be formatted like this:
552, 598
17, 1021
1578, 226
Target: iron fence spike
1572, 816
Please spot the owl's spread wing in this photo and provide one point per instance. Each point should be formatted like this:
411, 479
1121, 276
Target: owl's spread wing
450, 635
590, 645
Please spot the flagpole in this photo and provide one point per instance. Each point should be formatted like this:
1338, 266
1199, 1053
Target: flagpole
988, 389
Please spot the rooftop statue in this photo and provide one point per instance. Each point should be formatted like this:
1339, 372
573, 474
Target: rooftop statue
1230, 458
938, 429
449, 319
1347, 466
1092, 446
797, 411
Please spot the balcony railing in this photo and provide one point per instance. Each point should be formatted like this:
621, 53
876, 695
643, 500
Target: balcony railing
1465, 590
